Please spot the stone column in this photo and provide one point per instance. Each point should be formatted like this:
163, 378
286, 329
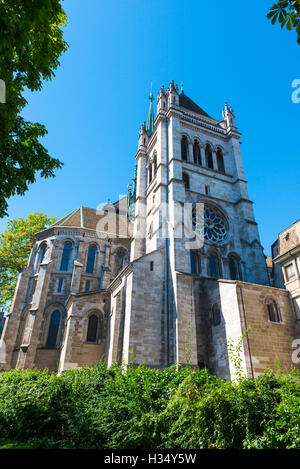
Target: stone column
202, 154
106, 270
190, 153
76, 277
27, 353
214, 157
11, 327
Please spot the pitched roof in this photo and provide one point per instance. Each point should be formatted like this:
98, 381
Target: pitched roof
98, 220
187, 103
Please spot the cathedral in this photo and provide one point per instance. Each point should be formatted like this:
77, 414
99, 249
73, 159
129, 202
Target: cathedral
168, 274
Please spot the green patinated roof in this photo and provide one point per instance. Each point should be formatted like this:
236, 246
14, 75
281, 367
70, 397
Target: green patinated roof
150, 121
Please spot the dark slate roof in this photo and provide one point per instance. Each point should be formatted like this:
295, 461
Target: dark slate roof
187, 103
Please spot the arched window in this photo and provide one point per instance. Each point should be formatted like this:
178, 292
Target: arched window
215, 315
120, 260
234, 268
65, 260
208, 157
273, 310
154, 165
184, 148
196, 153
214, 266
90, 264
195, 262
92, 330
220, 161
186, 180
43, 253
53, 329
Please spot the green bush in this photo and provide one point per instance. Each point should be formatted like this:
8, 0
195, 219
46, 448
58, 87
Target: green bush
100, 407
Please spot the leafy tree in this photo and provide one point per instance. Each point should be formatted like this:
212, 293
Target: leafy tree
31, 42
15, 247
287, 13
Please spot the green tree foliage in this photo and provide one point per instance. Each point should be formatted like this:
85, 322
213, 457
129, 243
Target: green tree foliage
110, 408
287, 13
15, 247
31, 42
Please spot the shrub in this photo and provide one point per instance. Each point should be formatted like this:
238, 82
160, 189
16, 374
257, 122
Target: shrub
97, 407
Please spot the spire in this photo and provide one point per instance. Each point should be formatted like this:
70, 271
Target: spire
150, 122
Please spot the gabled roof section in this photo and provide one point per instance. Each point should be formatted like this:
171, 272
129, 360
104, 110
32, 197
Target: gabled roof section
187, 103
112, 215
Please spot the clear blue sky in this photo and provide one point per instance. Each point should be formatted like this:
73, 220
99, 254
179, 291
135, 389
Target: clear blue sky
221, 51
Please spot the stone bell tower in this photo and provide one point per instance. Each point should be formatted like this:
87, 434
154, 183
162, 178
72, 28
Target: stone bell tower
185, 158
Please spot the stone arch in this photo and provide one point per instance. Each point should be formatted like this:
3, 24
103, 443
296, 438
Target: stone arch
184, 147
61, 259
50, 309
209, 163
41, 253
120, 259
197, 152
272, 310
214, 264
220, 159
90, 334
234, 266
91, 258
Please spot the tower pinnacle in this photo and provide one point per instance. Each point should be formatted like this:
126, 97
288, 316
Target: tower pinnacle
150, 122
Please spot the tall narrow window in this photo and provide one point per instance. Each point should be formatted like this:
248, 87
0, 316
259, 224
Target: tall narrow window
273, 310
150, 172
120, 261
186, 180
214, 266
184, 148
154, 164
43, 253
59, 286
87, 285
195, 262
53, 329
208, 157
65, 260
196, 153
220, 161
92, 331
90, 264
234, 269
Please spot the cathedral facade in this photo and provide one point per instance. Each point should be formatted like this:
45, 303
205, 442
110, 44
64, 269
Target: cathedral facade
167, 275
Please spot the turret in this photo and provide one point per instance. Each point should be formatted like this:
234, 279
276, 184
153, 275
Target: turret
228, 117
162, 100
143, 137
173, 95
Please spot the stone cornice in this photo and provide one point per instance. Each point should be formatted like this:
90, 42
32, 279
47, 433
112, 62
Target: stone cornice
286, 255
72, 230
205, 168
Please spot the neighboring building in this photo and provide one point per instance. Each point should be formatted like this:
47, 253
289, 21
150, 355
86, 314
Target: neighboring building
286, 262
155, 281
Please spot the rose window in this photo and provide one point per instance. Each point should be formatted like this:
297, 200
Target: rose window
215, 225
